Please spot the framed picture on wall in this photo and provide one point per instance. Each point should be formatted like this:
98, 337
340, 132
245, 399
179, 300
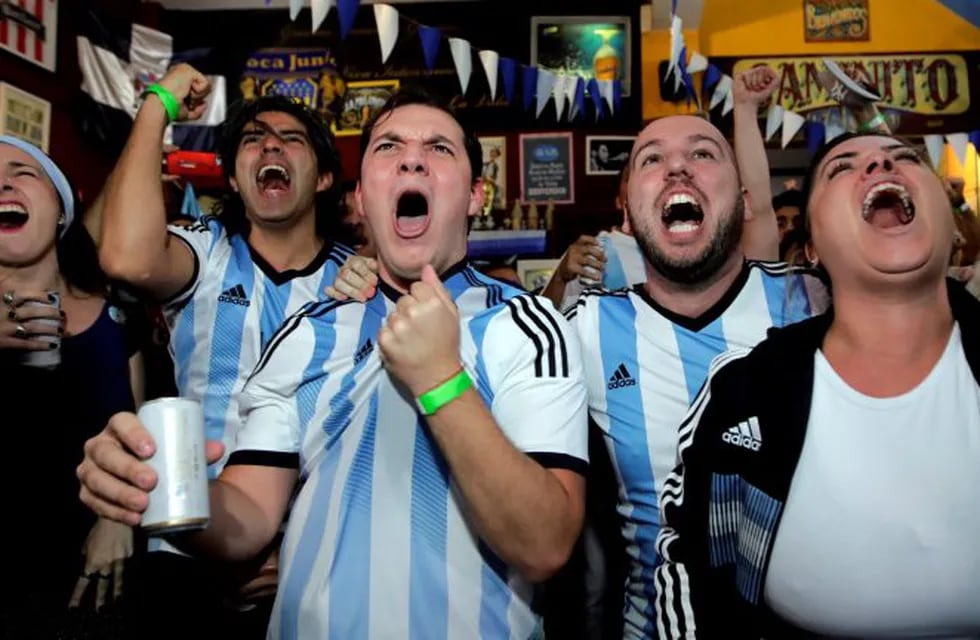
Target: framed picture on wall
607, 155
547, 171
494, 170
25, 116
836, 20
361, 101
30, 30
587, 46
535, 274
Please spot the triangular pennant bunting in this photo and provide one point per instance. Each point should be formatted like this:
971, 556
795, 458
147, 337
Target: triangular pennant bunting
606, 91
792, 123
959, 142
546, 82
579, 103
386, 20
463, 60
558, 92
508, 75
934, 145
489, 59
347, 12
294, 7
697, 64
722, 89
430, 38
729, 104
593, 88
319, 10
570, 84
774, 119
529, 84
711, 77
617, 91
814, 136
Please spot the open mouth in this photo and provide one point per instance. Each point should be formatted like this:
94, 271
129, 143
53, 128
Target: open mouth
12, 217
682, 214
273, 178
887, 205
411, 214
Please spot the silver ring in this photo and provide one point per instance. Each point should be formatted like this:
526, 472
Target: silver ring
20, 332
8, 297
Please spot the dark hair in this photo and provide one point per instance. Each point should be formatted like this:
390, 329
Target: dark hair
78, 257
418, 96
232, 208
789, 198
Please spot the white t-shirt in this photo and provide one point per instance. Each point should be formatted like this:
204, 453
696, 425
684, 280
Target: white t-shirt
879, 537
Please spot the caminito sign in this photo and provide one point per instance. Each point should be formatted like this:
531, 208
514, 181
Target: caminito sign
924, 84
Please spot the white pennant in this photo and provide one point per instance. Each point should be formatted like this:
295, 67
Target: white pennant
606, 91
959, 141
722, 89
571, 84
558, 91
792, 123
462, 59
490, 59
319, 10
676, 44
934, 145
774, 119
546, 82
833, 127
294, 7
729, 103
386, 20
697, 64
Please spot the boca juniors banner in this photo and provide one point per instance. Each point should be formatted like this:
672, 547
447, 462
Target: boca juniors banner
310, 75
29, 29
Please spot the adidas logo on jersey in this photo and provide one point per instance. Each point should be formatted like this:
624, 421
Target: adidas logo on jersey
621, 378
235, 295
744, 434
364, 351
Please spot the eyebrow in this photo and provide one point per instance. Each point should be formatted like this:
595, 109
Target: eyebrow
391, 136
694, 138
267, 128
17, 164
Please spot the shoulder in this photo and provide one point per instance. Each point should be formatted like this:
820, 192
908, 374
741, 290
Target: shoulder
594, 299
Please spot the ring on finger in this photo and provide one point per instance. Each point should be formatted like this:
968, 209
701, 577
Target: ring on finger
20, 332
8, 297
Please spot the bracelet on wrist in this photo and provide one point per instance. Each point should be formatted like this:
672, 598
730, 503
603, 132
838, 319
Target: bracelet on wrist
166, 98
438, 397
872, 125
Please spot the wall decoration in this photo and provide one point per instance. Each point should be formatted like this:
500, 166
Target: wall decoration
607, 155
29, 29
836, 20
591, 47
361, 102
535, 274
310, 75
25, 116
494, 170
546, 168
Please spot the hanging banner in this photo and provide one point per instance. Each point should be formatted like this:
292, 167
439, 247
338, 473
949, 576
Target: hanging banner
546, 168
920, 92
310, 75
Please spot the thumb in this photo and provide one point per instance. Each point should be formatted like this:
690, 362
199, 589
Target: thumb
213, 450
431, 278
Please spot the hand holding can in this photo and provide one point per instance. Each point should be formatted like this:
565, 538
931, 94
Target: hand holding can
32, 324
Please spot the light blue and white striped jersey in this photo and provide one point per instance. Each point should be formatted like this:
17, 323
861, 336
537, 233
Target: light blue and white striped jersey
625, 266
377, 544
644, 365
221, 321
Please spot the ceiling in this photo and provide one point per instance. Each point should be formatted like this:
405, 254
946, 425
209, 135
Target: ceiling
213, 5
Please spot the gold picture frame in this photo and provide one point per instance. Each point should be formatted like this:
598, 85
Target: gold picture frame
361, 101
25, 116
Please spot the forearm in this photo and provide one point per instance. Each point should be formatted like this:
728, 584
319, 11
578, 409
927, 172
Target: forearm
762, 231
555, 289
134, 225
522, 510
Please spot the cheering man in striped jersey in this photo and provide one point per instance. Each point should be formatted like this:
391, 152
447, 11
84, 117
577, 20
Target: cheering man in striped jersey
227, 282
438, 429
647, 350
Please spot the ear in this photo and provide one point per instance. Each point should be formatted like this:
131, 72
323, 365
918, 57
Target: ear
811, 254
358, 207
324, 182
477, 198
627, 227
747, 201
233, 183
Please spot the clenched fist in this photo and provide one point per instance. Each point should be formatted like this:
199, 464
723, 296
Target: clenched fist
419, 342
754, 86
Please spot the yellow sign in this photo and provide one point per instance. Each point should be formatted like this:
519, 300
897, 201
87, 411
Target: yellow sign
917, 83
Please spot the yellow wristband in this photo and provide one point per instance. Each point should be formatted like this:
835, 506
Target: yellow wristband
435, 399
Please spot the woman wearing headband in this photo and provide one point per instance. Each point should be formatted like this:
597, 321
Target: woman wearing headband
64, 363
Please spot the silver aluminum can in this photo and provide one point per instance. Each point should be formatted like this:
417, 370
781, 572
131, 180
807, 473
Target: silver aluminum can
179, 502
49, 358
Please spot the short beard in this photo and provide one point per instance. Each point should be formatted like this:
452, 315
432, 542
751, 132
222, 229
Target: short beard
702, 270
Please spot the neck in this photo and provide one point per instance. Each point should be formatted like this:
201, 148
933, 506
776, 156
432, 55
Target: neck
692, 300
286, 247
901, 332
41, 275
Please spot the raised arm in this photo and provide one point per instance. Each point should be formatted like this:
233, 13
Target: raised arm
135, 246
752, 89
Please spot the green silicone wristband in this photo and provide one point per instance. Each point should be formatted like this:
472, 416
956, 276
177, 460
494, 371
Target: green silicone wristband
169, 101
873, 124
435, 399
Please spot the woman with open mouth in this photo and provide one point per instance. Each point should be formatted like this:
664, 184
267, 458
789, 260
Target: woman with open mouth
64, 363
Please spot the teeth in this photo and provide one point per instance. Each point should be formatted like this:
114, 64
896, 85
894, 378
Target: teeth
12, 208
273, 167
883, 187
681, 198
682, 227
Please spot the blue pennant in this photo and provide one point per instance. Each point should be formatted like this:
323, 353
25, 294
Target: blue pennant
815, 133
529, 84
711, 77
593, 89
580, 96
975, 139
508, 73
430, 37
346, 12
617, 95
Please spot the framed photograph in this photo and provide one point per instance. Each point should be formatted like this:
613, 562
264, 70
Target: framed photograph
535, 274
607, 155
495, 168
546, 168
25, 116
30, 30
836, 20
588, 46
361, 101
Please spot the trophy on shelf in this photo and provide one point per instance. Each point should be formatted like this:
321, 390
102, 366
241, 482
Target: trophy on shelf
516, 216
532, 216
485, 219
549, 216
